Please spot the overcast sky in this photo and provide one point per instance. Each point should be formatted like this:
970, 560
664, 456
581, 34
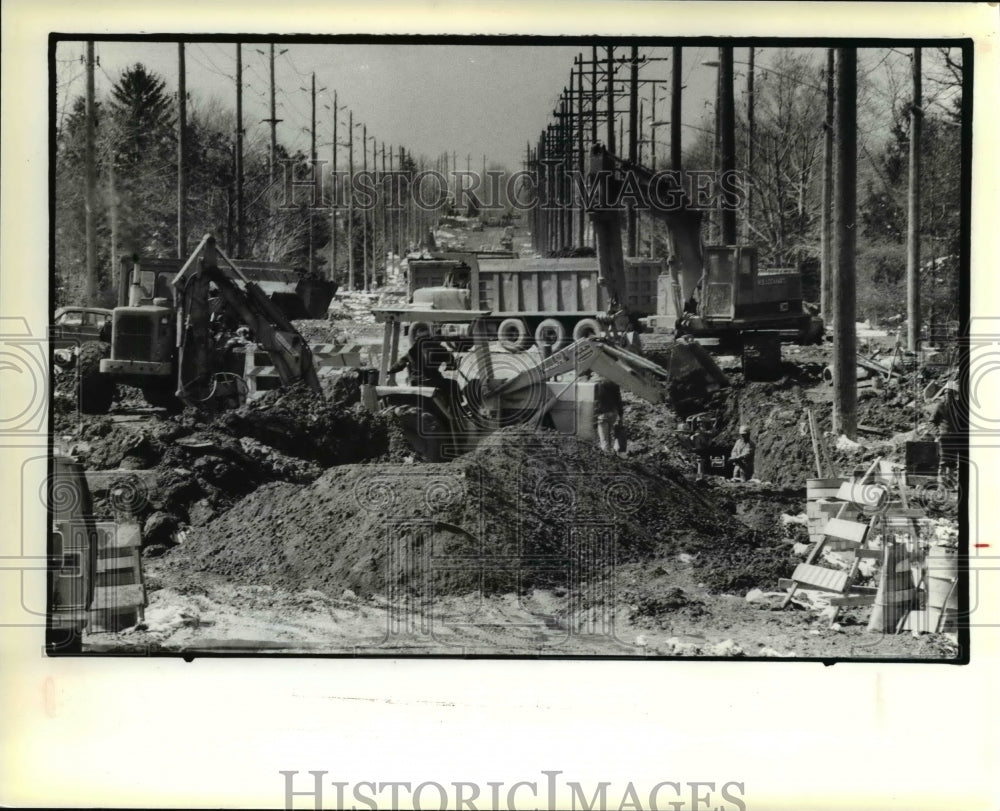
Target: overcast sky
471, 100
432, 98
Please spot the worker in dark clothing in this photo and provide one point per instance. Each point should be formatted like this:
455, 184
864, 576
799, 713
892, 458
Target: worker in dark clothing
610, 413
742, 456
948, 419
701, 442
423, 359
426, 356
105, 333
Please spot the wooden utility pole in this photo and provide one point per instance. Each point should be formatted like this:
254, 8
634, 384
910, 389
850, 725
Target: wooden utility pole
593, 95
633, 144
386, 199
404, 214
364, 211
845, 384
675, 109
336, 193
913, 214
273, 121
113, 211
181, 155
314, 169
727, 138
611, 98
90, 190
239, 150
392, 211
581, 235
750, 137
350, 201
826, 217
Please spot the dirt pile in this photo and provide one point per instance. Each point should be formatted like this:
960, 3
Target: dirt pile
302, 423
521, 510
194, 466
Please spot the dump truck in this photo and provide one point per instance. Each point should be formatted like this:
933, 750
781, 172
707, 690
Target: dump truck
714, 292
490, 390
543, 302
174, 329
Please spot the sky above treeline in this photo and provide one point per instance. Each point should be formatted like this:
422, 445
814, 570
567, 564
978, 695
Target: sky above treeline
470, 101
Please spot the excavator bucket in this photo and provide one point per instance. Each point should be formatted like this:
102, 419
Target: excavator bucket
694, 376
297, 295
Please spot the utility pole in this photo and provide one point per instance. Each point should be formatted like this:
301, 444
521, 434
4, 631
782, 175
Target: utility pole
913, 213
652, 131
845, 384
336, 193
239, 150
113, 200
404, 224
566, 148
350, 201
181, 160
593, 95
314, 169
727, 138
364, 211
542, 183
611, 98
826, 219
393, 213
675, 109
633, 144
750, 137
580, 168
273, 120
90, 192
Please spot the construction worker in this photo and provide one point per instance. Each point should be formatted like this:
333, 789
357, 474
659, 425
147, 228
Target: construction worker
423, 359
701, 442
947, 418
609, 411
426, 355
742, 456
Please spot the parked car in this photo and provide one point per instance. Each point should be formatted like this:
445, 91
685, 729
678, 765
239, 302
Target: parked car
74, 326
80, 324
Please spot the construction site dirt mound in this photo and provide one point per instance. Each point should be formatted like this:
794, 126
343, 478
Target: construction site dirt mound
522, 510
302, 423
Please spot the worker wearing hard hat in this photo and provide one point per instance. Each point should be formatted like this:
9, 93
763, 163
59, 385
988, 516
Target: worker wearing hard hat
742, 456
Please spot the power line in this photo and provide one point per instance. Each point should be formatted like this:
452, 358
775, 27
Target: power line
215, 68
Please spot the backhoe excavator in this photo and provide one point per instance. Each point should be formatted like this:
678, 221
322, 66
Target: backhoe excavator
718, 291
176, 335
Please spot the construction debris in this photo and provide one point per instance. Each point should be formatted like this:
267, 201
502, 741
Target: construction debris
306, 503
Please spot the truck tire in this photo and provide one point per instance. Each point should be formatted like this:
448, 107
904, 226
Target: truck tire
96, 390
550, 333
587, 328
512, 333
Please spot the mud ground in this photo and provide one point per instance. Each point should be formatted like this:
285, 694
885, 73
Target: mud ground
303, 524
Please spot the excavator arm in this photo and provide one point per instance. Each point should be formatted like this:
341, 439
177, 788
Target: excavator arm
197, 377
610, 179
690, 366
